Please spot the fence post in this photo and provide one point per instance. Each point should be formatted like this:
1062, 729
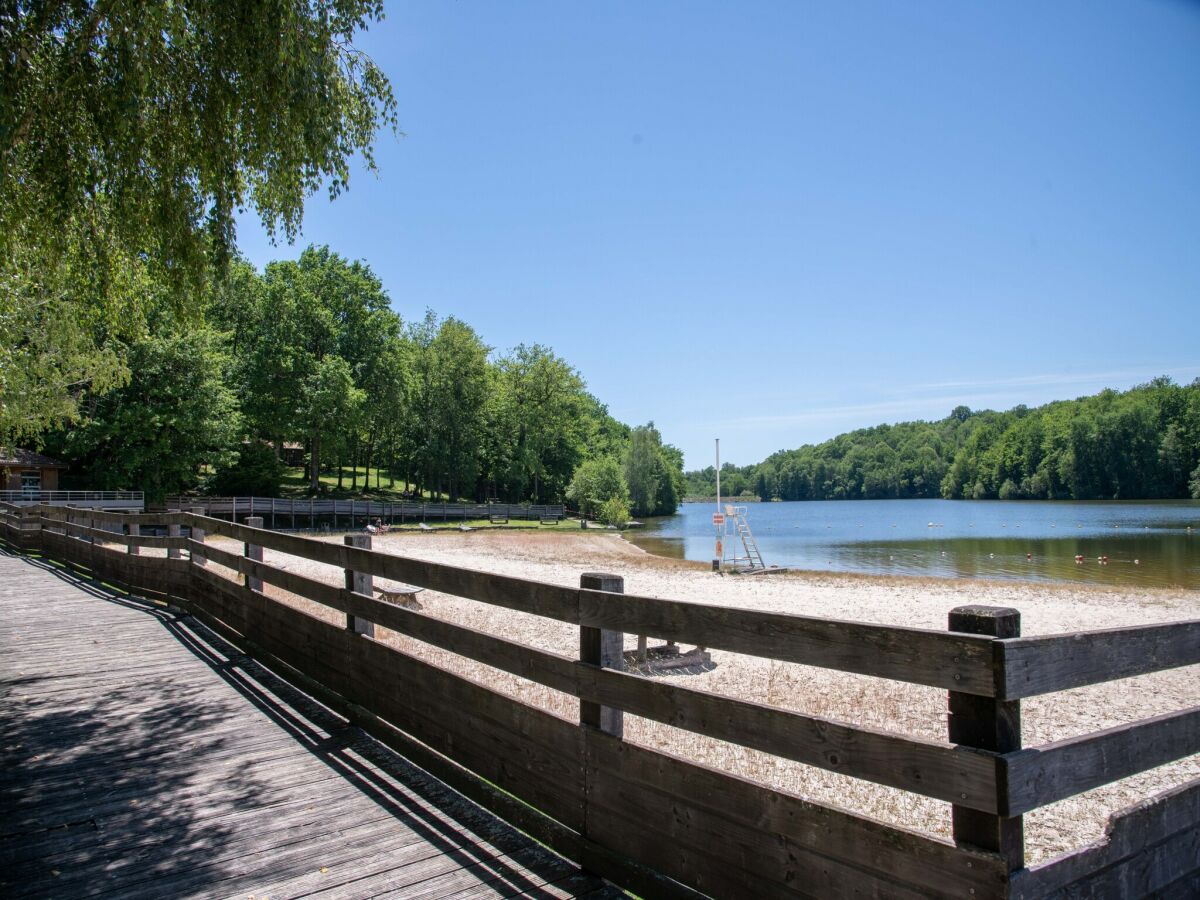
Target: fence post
360, 583
604, 648
254, 552
989, 724
28, 523
133, 529
174, 530
198, 537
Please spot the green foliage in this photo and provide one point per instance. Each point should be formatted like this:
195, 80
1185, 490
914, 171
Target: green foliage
155, 434
596, 482
130, 136
458, 383
257, 472
614, 511
314, 339
1141, 444
653, 473
329, 406
543, 407
313, 353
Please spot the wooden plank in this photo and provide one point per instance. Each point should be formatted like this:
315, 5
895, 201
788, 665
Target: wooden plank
940, 659
1042, 665
955, 774
550, 669
1042, 775
187, 786
933, 769
527, 751
959, 662
65, 513
600, 648
444, 709
1126, 853
535, 597
986, 723
712, 821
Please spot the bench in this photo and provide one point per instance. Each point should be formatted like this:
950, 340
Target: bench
550, 520
498, 519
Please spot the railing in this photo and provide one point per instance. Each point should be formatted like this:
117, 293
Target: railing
36, 495
659, 824
294, 512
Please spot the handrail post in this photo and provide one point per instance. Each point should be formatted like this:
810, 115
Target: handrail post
198, 537
174, 530
988, 724
133, 530
254, 552
359, 583
28, 523
604, 648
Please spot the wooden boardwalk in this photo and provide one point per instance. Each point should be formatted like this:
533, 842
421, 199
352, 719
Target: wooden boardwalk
143, 756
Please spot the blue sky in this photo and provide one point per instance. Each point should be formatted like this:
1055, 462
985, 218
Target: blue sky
774, 222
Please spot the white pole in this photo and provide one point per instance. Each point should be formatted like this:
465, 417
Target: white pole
720, 547
718, 474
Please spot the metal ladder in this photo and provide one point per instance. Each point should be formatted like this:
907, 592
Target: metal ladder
753, 557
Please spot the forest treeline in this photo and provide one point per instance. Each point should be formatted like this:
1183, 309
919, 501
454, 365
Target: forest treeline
309, 351
1143, 443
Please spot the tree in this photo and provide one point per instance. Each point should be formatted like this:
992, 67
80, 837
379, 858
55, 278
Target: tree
287, 324
256, 473
159, 432
545, 402
456, 379
642, 470
595, 482
653, 472
130, 135
614, 511
329, 407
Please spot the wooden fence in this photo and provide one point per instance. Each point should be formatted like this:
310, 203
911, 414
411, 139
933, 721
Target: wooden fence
311, 513
665, 826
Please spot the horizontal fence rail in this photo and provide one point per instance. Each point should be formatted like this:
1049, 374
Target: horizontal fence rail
38, 496
290, 511
657, 823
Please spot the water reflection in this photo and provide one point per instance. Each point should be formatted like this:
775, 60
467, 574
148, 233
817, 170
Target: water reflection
1152, 544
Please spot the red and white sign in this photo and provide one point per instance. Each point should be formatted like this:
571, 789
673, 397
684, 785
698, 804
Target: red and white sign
718, 518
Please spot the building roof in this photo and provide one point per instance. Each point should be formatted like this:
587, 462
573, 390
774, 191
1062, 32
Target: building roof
28, 459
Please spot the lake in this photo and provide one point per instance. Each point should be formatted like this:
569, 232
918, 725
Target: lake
1154, 543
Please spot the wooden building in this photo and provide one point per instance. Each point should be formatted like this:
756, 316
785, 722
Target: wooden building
27, 470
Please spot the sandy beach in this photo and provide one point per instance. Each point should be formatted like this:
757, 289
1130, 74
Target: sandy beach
560, 558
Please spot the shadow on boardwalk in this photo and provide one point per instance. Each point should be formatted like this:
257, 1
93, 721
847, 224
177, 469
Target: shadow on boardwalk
132, 768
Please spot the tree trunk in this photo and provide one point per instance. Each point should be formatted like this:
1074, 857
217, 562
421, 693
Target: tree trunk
314, 465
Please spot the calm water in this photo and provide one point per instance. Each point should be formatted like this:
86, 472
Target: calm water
959, 538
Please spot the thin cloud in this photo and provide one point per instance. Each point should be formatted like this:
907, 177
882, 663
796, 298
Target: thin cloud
1056, 378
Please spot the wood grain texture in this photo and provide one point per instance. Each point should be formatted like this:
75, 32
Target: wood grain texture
1043, 665
155, 760
1041, 775
945, 772
1146, 848
987, 723
714, 830
552, 601
937, 658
